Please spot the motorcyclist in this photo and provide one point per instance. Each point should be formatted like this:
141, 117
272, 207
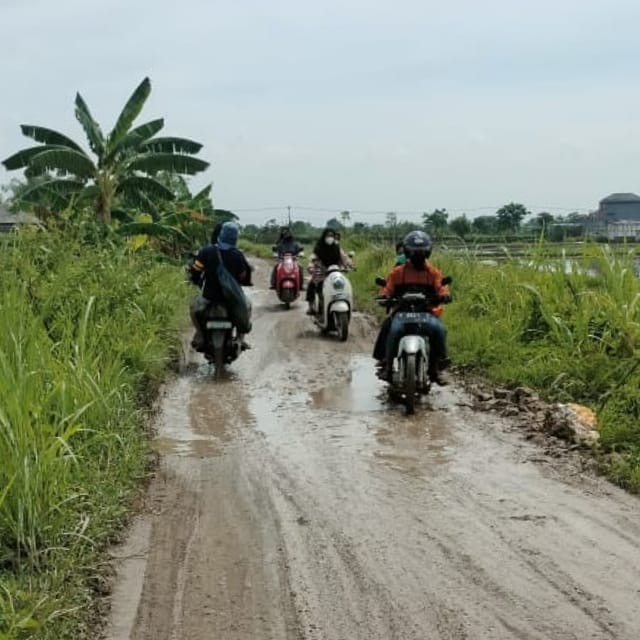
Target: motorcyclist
401, 257
203, 273
286, 244
418, 276
326, 252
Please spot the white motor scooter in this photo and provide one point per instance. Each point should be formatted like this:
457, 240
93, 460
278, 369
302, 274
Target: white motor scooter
336, 303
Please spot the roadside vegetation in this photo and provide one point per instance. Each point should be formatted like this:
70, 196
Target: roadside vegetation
86, 335
93, 303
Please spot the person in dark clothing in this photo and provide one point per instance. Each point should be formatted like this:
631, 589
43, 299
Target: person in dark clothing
286, 244
326, 252
203, 272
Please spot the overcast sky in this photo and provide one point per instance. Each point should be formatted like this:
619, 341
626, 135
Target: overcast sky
367, 106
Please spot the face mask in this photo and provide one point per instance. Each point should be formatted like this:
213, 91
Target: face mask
329, 240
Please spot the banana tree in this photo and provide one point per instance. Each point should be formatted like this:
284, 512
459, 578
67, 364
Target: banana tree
178, 226
122, 172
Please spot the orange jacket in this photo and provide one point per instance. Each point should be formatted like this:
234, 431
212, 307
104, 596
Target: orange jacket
406, 274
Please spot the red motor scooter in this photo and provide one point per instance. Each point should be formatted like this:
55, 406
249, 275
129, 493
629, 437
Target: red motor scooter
288, 278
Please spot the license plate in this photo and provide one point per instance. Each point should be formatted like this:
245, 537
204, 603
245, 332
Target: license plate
218, 324
411, 316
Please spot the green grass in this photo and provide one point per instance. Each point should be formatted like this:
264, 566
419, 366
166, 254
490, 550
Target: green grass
253, 249
86, 334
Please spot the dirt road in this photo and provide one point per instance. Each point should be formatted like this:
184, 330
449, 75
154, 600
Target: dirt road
292, 502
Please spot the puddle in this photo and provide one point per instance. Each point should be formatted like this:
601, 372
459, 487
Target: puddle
359, 392
273, 416
416, 444
356, 418
181, 412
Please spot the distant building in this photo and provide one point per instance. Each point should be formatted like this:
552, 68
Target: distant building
9, 221
620, 207
618, 217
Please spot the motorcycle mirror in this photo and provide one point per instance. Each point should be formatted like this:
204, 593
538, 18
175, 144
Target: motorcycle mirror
447, 280
381, 282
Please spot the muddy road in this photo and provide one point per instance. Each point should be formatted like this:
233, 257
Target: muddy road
292, 502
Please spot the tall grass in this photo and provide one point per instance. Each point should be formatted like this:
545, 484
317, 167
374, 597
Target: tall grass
573, 334
85, 335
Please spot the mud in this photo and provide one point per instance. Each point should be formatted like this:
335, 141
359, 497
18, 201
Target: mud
293, 502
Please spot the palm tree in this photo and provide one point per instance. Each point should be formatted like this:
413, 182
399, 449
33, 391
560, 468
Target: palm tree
125, 167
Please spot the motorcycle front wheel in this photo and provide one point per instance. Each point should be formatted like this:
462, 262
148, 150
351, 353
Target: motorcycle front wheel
409, 380
342, 325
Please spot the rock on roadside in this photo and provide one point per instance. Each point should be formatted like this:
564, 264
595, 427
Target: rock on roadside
574, 423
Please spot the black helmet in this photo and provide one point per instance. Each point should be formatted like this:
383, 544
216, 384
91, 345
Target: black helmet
417, 243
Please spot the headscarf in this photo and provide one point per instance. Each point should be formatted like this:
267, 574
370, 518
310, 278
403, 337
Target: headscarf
228, 235
327, 254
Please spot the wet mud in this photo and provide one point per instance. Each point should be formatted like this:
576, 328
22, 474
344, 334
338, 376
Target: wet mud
292, 501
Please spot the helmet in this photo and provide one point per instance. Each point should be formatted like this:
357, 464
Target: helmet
417, 243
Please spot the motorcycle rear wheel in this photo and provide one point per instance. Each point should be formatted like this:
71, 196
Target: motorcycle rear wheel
218, 361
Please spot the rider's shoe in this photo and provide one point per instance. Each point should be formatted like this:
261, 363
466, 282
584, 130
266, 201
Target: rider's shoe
382, 371
197, 342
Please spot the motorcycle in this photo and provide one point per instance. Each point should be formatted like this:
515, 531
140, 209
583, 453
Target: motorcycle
221, 343
288, 280
409, 378
335, 303
221, 346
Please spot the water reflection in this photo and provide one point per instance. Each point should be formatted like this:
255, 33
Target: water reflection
496, 256
415, 445
359, 392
